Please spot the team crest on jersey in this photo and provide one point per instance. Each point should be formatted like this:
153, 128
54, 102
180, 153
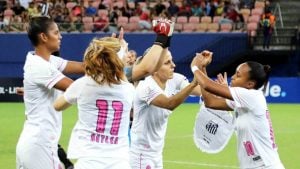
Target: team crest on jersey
212, 127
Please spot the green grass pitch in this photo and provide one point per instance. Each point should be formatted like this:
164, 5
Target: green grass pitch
180, 151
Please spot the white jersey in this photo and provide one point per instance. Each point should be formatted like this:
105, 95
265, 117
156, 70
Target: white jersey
43, 124
150, 122
256, 142
103, 118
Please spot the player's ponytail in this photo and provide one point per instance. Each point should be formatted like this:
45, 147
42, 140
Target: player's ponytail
259, 73
267, 69
101, 61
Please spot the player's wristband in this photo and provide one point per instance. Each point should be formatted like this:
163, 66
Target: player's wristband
162, 41
194, 68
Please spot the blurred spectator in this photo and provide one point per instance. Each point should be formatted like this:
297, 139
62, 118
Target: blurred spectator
101, 24
90, 10
1, 22
44, 8
220, 9
66, 25
267, 22
16, 24
57, 15
101, 5
130, 58
79, 9
33, 9
173, 9
231, 13
78, 24
138, 10
247, 3
113, 20
159, 7
25, 3
2, 6
240, 23
184, 10
210, 9
18, 9
197, 10
59, 3
145, 22
124, 12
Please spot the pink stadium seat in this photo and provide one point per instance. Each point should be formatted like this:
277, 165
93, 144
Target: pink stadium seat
119, 4
257, 11
87, 19
134, 19
202, 27
88, 27
254, 18
251, 28
182, 19
178, 27
217, 19
189, 27
142, 4
194, 19
206, 19
213, 27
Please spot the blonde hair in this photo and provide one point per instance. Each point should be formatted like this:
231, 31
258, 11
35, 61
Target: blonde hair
101, 61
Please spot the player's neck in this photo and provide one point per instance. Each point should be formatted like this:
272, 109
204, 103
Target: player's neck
161, 83
42, 52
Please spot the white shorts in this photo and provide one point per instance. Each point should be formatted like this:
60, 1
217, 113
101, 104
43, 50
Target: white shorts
33, 156
103, 163
145, 161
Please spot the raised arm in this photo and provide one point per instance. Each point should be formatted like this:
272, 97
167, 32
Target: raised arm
153, 59
213, 93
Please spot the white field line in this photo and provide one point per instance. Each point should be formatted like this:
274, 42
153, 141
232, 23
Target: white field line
219, 166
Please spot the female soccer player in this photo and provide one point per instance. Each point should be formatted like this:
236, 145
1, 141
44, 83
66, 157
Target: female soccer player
43, 78
256, 142
104, 99
155, 98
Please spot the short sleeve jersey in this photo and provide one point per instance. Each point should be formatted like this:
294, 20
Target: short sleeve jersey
103, 118
256, 142
43, 124
150, 122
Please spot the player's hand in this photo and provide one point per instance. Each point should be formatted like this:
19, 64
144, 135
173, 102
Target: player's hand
163, 27
222, 79
20, 91
124, 45
202, 59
